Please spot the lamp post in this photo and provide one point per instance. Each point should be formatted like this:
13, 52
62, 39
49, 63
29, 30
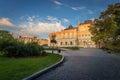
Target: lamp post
84, 43
77, 38
53, 41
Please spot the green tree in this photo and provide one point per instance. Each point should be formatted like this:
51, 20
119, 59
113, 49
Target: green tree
5, 34
105, 30
5, 39
14, 48
116, 12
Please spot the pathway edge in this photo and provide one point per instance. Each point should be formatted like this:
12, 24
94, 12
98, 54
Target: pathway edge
35, 75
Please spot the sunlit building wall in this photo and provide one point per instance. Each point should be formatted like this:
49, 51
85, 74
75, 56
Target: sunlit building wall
34, 39
79, 36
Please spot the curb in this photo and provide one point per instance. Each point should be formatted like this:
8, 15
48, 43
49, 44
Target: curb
35, 75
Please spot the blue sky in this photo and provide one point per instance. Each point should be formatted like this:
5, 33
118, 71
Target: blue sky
40, 17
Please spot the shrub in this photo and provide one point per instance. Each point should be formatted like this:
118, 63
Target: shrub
14, 48
2, 53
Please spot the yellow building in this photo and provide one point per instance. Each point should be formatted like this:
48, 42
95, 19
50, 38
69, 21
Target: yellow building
74, 36
42, 41
34, 39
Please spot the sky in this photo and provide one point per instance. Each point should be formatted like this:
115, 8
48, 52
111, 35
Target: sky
41, 17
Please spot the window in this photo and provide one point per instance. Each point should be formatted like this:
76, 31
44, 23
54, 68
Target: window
71, 43
65, 43
61, 43
82, 35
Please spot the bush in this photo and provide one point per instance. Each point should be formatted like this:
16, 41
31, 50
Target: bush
14, 48
2, 53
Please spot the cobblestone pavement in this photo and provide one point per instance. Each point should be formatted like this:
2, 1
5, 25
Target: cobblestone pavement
86, 64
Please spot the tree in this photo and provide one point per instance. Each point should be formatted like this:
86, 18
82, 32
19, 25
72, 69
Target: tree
14, 48
105, 29
117, 17
5, 34
5, 39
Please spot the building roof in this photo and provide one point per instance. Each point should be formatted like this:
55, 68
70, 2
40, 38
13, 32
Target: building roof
70, 27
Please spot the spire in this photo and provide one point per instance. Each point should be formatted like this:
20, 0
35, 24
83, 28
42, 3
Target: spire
70, 27
78, 22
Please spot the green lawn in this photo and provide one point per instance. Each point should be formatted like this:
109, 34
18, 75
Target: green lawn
72, 48
116, 53
18, 68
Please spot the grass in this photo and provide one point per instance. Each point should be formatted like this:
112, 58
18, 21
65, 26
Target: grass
116, 53
18, 68
51, 48
72, 48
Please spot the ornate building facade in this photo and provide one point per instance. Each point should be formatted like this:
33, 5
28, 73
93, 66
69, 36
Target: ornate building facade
74, 36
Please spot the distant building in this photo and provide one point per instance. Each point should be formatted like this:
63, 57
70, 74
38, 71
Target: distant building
34, 39
42, 41
74, 36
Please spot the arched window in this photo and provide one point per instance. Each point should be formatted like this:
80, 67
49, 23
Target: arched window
65, 43
61, 43
71, 43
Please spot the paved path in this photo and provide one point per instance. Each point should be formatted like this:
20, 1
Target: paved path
86, 64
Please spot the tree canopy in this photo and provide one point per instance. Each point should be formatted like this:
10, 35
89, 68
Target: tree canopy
11, 47
106, 29
5, 34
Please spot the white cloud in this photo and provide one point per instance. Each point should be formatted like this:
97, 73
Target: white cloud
83, 8
39, 28
90, 12
65, 20
5, 22
78, 8
30, 18
57, 2
67, 5
52, 19
92, 19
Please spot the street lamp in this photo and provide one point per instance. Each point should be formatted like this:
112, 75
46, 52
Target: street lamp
77, 42
84, 43
53, 41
